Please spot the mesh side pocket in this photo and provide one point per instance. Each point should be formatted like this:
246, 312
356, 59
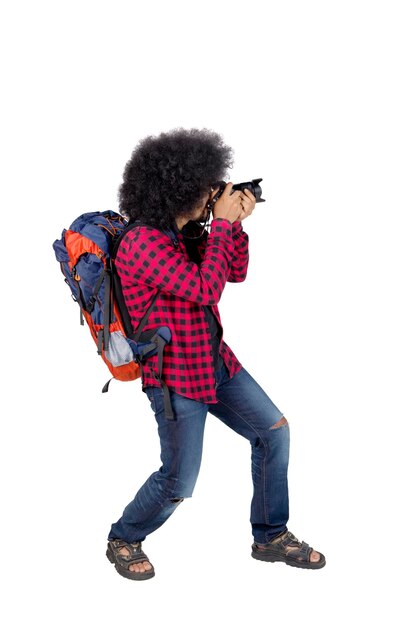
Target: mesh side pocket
119, 352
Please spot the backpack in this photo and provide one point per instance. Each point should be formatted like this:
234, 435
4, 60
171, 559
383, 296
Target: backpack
86, 253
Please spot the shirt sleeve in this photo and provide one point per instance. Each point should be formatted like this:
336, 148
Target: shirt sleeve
240, 260
148, 256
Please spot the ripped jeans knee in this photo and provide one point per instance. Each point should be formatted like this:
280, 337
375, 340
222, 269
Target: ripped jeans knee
282, 422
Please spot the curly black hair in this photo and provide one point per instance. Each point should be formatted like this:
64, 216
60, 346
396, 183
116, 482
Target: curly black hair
167, 176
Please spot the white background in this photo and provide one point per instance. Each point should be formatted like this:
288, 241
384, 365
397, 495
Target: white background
319, 99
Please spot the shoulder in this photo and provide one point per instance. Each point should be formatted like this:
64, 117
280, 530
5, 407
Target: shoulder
141, 238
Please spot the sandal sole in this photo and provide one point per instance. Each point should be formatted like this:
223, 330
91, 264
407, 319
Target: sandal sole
274, 558
126, 573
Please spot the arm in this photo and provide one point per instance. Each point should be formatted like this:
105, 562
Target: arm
147, 256
240, 260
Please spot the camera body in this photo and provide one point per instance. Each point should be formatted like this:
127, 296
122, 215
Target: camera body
253, 186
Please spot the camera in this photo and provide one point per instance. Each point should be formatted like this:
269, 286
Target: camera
253, 186
196, 228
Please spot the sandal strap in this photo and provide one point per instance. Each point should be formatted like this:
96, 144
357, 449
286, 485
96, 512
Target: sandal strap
136, 554
293, 548
303, 553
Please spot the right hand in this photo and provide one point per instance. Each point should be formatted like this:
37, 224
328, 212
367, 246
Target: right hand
228, 206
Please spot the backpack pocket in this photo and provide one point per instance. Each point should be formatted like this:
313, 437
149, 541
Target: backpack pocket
119, 351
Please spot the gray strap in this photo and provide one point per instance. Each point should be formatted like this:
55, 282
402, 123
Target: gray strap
160, 343
144, 321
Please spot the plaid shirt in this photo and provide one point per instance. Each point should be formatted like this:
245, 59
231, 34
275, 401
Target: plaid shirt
188, 275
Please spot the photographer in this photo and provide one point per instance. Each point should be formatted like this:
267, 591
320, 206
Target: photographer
168, 187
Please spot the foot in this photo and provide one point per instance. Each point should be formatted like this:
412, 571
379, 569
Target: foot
314, 556
145, 566
289, 538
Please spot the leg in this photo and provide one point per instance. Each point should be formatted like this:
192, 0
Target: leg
246, 408
181, 449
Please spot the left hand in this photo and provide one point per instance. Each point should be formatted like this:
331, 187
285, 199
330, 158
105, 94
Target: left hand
247, 202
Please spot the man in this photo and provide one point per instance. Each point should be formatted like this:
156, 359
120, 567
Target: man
167, 187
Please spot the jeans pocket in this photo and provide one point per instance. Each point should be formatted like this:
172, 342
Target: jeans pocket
156, 399
149, 393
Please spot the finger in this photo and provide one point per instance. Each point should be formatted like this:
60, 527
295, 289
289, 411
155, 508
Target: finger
227, 191
249, 193
247, 203
247, 210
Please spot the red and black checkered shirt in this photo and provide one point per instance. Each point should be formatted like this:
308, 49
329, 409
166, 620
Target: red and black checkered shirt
187, 276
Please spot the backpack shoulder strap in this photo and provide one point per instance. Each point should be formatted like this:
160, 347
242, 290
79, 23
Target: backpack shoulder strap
158, 338
118, 287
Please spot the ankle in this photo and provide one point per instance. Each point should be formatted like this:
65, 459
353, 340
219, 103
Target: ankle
264, 545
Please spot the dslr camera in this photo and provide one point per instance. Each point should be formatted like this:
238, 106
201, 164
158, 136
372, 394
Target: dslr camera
253, 186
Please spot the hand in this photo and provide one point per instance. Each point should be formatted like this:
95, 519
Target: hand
228, 206
248, 202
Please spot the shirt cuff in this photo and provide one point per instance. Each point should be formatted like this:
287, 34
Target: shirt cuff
221, 225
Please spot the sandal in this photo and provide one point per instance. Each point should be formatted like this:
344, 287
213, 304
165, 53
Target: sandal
122, 562
285, 547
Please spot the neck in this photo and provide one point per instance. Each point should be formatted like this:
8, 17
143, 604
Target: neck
181, 222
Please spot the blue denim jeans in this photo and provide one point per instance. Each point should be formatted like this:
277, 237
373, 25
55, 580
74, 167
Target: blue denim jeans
244, 407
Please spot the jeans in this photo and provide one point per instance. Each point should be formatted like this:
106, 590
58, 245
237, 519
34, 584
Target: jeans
244, 407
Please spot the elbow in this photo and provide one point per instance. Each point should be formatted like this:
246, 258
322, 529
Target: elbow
238, 271
238, 277
236, 280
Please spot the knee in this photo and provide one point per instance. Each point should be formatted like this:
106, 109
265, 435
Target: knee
179, 478
174, 492
177, 500
278, 433
180, 482
282, 422
275, 438
278, 438
183, 488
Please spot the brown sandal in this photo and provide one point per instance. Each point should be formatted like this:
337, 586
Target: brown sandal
122, 562
285, 547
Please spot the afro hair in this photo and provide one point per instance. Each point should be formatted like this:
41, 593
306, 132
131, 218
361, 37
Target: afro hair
167, 176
